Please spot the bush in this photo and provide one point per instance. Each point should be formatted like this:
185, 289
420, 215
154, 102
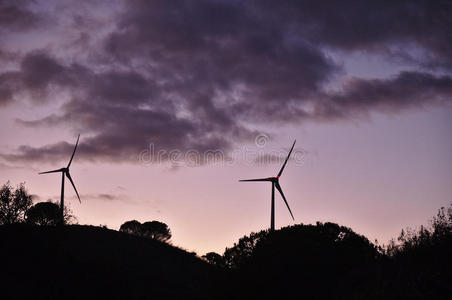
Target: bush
14, 203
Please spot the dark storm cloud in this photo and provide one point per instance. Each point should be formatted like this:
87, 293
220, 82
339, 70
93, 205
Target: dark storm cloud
216, 45
8, 87
41, 73
60, 151
124, 110
8, 55
187, 75
407, 90
389, 27
38, 74
121, 134
15, 15
39, 70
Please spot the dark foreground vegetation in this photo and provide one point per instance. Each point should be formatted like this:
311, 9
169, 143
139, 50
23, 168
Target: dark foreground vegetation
322, 261
41, 260
86, 262
328, 261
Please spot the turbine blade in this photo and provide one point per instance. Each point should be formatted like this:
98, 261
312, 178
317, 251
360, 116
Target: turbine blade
284, 198
70, 179
285, 162
70, 161
53, 171
260, 179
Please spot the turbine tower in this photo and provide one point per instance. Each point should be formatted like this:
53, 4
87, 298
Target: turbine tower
65, 171
275, 183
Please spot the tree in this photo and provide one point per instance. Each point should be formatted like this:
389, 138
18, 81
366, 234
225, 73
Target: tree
442, 223
421, 260
412, 240
131, 227
47, 213
242, 251
43, 213
156, 230
309, 257
215, 259
14, 203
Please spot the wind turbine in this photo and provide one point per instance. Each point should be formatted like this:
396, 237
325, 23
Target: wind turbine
65, 171
275, 183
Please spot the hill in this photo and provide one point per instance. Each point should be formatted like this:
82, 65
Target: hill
308, 261
86, 262
321, 261
329, 261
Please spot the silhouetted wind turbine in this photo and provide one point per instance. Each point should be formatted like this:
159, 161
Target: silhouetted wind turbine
65, 171
275, 183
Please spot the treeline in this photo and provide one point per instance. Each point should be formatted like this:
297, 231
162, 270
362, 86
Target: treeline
329, 261
437, 234
321, 261
16, 206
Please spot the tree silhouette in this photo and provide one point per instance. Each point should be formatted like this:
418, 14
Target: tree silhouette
442, 223
215, 259
416, 265
47, 213
131, 227
13, 203
43, 213
317, 259
156, 230
241, 252
413, 241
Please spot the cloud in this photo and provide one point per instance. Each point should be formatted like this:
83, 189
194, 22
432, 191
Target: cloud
223, 49
8, 87
122, 133
122, 112
392, 95
103, 197
60, 151
197, 75
89, 197
38, 75
16, 15
391, 28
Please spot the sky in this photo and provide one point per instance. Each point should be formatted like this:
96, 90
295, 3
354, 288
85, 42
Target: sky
175, 101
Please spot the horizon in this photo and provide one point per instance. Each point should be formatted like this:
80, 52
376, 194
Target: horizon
175, 104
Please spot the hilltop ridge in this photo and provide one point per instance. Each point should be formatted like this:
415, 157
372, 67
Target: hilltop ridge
87, 262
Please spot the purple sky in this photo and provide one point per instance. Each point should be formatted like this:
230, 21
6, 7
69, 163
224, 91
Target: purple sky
364, 87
